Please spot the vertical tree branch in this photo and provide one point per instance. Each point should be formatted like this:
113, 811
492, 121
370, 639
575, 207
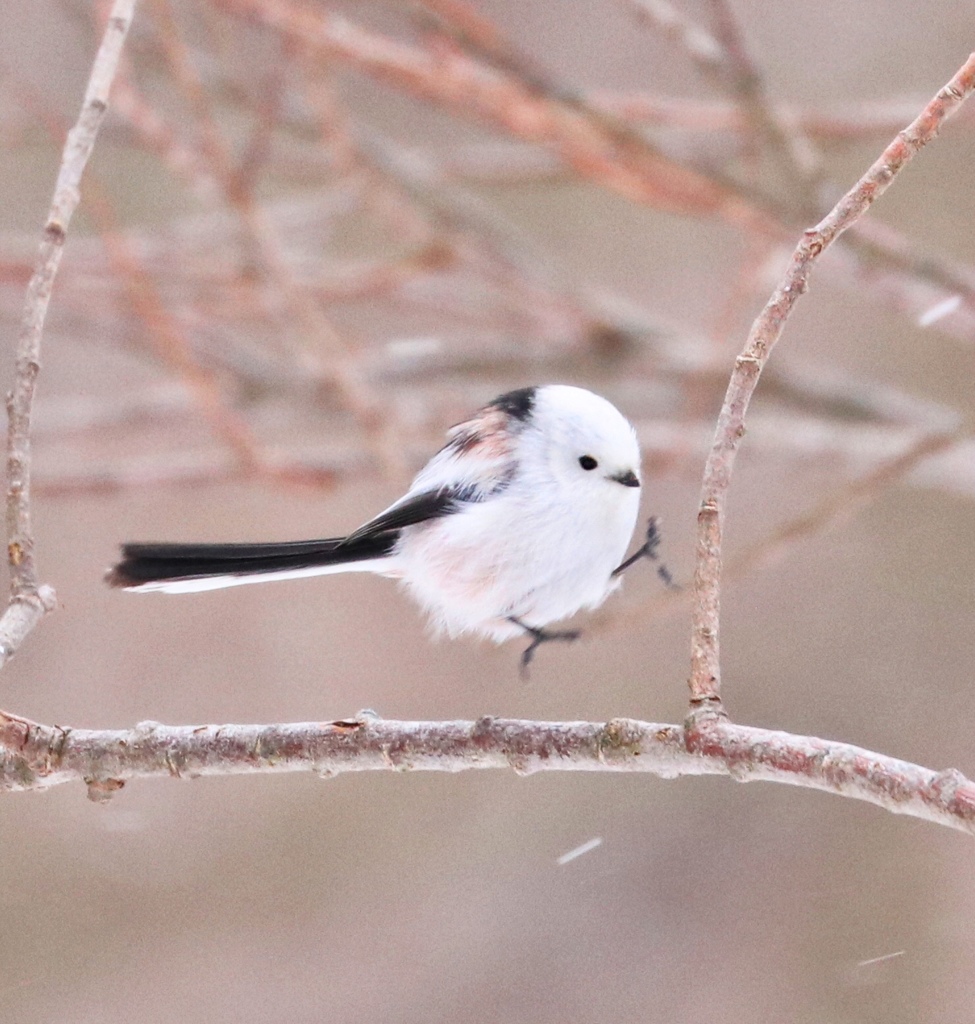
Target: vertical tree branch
28, 600
705, 679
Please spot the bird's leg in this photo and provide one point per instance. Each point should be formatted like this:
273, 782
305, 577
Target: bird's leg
539, 637
649, 551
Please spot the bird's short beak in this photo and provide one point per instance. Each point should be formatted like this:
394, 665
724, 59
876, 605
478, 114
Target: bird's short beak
627, 479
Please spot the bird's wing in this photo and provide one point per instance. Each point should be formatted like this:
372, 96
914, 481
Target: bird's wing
474, 465
478, 458
415, 507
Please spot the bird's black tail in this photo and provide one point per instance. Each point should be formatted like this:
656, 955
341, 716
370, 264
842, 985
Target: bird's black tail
155, 566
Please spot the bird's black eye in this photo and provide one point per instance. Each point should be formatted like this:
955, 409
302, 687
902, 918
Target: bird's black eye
587, 462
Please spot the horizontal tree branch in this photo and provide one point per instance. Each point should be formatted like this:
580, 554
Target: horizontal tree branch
34, 756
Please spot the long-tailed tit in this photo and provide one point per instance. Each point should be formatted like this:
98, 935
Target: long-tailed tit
520, 520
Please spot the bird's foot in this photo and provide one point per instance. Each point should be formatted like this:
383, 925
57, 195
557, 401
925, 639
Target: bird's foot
649, 551
540, 636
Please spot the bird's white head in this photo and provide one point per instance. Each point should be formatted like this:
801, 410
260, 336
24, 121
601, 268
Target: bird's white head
583, 441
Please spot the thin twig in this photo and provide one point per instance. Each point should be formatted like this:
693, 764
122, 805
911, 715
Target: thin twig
28, 600
705, 682
36, 756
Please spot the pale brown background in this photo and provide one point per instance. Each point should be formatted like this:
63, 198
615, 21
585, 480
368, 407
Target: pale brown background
438, 898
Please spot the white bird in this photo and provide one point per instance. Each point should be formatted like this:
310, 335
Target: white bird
520, 520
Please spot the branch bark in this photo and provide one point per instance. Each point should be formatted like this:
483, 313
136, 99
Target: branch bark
29, 601
36, 756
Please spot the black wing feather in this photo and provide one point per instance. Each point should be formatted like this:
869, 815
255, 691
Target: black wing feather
419, 509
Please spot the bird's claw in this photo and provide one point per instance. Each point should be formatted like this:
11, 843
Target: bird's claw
539, 637
648, 550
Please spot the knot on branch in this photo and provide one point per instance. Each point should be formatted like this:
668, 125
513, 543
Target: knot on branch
55, 232
951, 788
748, 363
620, 739
708, 507
813, 243
15, 732
483, 727
706, 716
17, 550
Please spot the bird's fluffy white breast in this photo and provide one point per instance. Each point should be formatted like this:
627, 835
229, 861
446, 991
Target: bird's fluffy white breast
533, 551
